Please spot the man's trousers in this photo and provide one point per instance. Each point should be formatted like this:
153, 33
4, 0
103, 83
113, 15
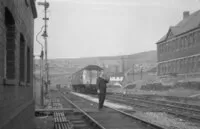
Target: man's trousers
102, 97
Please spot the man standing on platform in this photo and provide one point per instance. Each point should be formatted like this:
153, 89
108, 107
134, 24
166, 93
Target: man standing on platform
101, 88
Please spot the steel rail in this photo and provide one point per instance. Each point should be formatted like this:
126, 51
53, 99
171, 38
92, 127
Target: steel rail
172, 102
157, 103
139, 119
87, 115
189, 106
135, 117
164, 109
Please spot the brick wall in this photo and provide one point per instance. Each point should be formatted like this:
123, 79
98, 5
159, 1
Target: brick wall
16, 100
181, 46
178, 54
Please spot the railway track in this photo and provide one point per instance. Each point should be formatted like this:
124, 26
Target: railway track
191, 112
108, 118
163, 101
73, 118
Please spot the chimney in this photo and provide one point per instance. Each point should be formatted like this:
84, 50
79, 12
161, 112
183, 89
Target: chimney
186, 14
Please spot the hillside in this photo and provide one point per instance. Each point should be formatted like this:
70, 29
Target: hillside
60, 69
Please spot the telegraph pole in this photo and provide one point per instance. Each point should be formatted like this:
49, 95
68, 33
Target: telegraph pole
41, 76
46, 6
122, 64
141, 72
133, 72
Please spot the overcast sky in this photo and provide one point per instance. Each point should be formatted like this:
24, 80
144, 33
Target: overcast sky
85, 28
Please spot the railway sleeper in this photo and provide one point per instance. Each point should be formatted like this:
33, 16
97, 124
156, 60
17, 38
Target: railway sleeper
78, 121
63, 126
61, 122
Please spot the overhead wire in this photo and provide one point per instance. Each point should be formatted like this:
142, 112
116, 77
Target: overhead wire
37, 37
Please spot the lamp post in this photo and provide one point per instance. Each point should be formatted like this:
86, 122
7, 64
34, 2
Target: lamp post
123, 69
141, 71
133, 72
46, 6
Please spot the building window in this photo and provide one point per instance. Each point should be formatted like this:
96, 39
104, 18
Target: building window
198, 63
192, 39
177, 66
28, 65
167, 67
186, 65
174, 67
195, 37
169, 46
159, 69
181, 66
164, 68
166, 47
188, 40
22, 59
159, 49
193, 64
189, 64
185, 43
172, 46
10, 45
181, 43
178, 44
198, 37
162, 48
171, 67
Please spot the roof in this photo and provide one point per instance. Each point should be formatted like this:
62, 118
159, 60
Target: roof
120, 74
89, 67
187, 24
93, 67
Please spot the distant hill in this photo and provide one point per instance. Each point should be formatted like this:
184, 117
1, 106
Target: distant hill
148, 56
60, 69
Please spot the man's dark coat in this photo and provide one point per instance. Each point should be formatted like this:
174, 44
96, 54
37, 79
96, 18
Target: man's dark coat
101, 85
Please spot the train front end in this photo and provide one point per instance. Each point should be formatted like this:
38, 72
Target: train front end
85, 80
90, 80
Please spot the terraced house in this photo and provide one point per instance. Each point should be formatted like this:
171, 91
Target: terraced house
16, 63
178, 52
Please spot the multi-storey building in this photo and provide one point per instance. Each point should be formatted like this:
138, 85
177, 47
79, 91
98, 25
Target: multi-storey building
16, 64
178, 52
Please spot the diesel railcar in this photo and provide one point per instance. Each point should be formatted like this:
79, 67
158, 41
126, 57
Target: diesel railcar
85, 80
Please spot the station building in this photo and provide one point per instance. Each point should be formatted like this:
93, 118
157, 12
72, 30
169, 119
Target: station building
178, 52
16, 63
